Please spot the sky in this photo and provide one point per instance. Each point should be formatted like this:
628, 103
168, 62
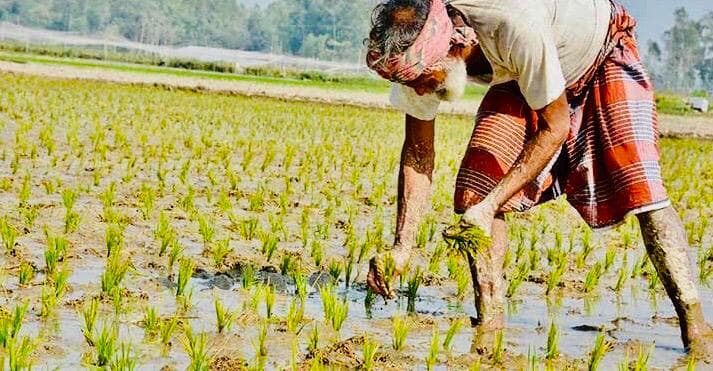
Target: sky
654, 16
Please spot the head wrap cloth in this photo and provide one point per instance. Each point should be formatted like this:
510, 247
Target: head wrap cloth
427, 52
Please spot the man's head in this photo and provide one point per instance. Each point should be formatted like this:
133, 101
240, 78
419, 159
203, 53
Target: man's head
414, 42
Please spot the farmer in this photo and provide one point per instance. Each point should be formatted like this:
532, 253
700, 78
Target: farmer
570, 110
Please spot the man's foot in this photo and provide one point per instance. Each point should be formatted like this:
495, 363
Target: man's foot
700, 345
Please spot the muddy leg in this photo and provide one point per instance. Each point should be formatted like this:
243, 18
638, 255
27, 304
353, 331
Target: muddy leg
666, 243
488, 283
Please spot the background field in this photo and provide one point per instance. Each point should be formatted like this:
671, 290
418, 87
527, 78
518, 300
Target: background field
242, 199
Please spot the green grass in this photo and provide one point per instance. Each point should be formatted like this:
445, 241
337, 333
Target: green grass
351, 84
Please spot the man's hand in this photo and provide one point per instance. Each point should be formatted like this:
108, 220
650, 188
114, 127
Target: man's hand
481, 215
378, 278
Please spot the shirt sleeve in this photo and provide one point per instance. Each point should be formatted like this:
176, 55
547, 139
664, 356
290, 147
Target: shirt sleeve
422, 107
535, 61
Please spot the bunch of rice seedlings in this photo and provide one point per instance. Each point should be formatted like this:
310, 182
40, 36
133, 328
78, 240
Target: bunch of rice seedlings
269, 245
591, 280
219, 251
151, 321
400, 332
335, 311
167, 330
523, 271
553, 336
27, 273
432, 357
224, 317
555, 277
185, 272
116, 269
71, 217
10, 326
335, 269
317, 253
601, 347
196, 347
247, 277
587, 248
57, 248
349, 267
8, 234
105, 344
467, 239
609, 257
89, 316
300, 284
147, 199
313, 340
125, 359
164, 233
369, 300
259, 344
114, 238
369, 350
175, 254
295, 316
206, 229
412, 289
269, 293
498, 348
288, 264
453, 329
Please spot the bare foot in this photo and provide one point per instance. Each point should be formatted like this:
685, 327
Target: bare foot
701, 345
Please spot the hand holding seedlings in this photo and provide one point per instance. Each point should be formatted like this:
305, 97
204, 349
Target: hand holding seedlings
384, 267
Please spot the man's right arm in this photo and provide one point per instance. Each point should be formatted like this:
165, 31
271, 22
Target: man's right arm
415, 177
414, 196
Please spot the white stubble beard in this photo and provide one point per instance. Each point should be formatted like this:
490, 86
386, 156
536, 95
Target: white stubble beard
453, 87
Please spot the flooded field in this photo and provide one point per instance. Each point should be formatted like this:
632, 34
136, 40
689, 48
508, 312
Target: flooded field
150, 228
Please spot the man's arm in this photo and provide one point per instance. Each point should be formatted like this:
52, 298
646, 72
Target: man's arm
414, 195
551, 134
415, 177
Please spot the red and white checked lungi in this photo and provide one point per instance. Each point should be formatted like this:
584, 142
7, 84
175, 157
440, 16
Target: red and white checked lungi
609, 164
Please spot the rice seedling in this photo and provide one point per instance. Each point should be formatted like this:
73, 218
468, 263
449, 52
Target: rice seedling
641, 363
335, 311
206, 229
453, 329
313, 340
317, 253
224, 317
467, 239
523, 271
196, 347
151, 322
174, 255
125, 359
10, 326
369, 350
601, 347
609, 257
300, 284
412, 291
164, 233
247, 277
116, 269
432, 357
555, 277
399, 334
26, 274
261, 350
335, 269
114, 238
219, 251
498, 348
553, 337
89, 316
591, 280
147, 200
587, 248
349, 267
269, 294
167, 330
295, 316
369, 300
435, 260
29, 214
71, 217
18, 352
8, 234
105, 344
185, 272
269, 246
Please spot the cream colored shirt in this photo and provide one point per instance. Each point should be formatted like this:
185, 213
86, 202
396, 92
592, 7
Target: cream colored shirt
544, 45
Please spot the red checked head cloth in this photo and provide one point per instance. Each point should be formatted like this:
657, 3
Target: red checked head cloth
427, 52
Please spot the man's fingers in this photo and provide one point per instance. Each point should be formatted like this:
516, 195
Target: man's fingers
375, 279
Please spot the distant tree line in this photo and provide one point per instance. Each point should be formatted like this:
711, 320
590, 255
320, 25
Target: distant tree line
325, 29
683, 61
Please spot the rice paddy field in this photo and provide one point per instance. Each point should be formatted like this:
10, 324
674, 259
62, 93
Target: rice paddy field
152, 228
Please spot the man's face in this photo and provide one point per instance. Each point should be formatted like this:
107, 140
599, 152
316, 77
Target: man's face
448, 83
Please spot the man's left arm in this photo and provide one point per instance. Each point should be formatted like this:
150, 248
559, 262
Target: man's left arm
553, 129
